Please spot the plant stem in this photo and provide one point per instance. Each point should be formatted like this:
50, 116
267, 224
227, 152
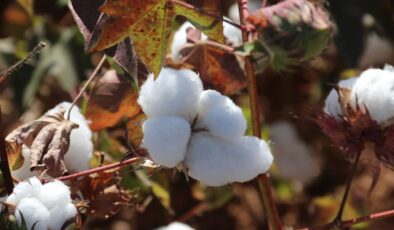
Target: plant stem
37, 49
338, 219
263, 179
5, 168
94, 74
99, 169
351, 222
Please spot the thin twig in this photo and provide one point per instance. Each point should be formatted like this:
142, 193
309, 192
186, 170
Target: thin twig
37, 49
196, 210
351, 222
338, 219
99, 169
94, 74
5, 168
263, 179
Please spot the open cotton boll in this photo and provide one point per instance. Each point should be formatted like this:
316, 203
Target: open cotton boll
331, 104
80, 150
220, 115
176, 226
180, 39
55, 194
173, 93
28, 188
24, 171
374, 91
215, 161
232, 33
59, 215
166, 138
33, 212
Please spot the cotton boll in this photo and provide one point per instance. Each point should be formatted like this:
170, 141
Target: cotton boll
59, 215
24, 171
232, 33
55, 194
33, 212
374, 91
215, 161
28, 188
180, 39
80, 150
220, 115
293, 157
176, 226
331, 104
173, 93
166, 139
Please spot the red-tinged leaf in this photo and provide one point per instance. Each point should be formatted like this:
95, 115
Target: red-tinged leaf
149, 23
88, 18
218, 68
113, 99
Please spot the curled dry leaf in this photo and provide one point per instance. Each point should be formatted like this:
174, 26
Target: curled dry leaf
101, 193
48, 138
113, 99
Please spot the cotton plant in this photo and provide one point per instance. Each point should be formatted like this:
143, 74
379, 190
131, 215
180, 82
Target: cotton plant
176, 226
200, 132
359, 117
80, 149
232, 34
42, 206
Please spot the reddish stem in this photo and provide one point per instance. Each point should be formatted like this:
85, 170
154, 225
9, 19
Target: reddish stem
99, 169
264, 181
351, 222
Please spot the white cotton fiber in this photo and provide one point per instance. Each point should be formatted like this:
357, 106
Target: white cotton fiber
374, 91
28, 188
293, 157
55, 194
59, 215
331, 104
180, 39
233, 11
232, 34
215, 161
166, 138
80, 150
174, 92
176, 226
220, 115
50, 204
33, 212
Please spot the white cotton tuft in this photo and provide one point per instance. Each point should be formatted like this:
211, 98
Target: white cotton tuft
55, 194
59, 215
80, 150
166, 138
233, 11
180, 39
232, 34
215, 161
34, 214
331, 104
50, 204
24, 171
220, 115
28, 188
176, 226
174, 92
293, 157
374, 91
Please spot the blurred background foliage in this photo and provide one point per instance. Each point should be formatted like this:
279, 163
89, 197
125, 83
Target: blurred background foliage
309, 173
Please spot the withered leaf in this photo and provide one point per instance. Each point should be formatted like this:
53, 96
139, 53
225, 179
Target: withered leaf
48, 139
219, 69
14, 155
113, 99
88, 17
149, 23
134, 129
102, 194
